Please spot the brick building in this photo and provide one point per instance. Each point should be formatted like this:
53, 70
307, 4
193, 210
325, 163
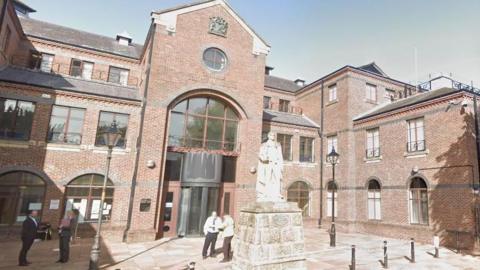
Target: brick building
193, 103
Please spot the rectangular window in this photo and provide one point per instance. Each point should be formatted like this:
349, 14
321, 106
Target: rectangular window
82, 69
418, 206
332, 93
374, 203
118, 75
286, 143
306, 149
173, 166
16, 118
226, 203
330, 204
229, 167
6, 40
167, 215
373, 143
371, 92
416, 135
284, 105
105, 122
332, 143
41, 61
266, 102
389, 94
66, 124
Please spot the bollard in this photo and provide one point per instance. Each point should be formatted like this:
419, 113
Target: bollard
352, 267
436, 244
385, 255
412, 250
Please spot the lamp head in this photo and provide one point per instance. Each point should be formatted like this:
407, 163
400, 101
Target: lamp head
332, 157
112, 135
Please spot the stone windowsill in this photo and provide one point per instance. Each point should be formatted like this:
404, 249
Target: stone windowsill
64, 147
16, 143
417, 154
373, 159
332, 102
374, 102
116, 151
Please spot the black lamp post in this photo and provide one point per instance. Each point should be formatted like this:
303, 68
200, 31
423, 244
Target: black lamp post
332, 158
110, 138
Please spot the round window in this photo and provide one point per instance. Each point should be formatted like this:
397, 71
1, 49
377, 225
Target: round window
215, 59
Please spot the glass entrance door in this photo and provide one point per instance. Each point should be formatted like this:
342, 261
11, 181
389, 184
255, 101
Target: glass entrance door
196, 204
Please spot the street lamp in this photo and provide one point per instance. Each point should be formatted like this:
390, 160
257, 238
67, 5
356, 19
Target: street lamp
332, 158
110, 137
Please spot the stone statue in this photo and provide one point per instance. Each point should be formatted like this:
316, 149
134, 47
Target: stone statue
270, 169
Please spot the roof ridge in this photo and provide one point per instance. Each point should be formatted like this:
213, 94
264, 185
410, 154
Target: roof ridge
79, 30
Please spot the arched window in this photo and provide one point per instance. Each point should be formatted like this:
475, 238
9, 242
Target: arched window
418, 201
20, 192
299, 192
331, 189
374, 199
84, 194
203, 122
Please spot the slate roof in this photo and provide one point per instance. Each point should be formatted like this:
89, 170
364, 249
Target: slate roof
281, 84
288, 118
373, 68
78, 38
53, 81
402, 103
182, 6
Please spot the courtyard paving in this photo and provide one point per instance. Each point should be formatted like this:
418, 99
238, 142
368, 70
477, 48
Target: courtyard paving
175, 254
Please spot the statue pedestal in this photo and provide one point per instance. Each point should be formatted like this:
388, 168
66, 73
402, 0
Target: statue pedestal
269, 236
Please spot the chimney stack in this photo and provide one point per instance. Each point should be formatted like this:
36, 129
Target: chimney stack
268, 70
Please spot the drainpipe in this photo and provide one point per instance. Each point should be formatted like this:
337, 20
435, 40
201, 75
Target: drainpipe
140, 134
476, 186
320, 133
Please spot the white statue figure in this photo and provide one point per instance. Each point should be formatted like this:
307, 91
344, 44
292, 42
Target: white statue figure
270, 169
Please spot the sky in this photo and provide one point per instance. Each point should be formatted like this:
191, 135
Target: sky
311, 38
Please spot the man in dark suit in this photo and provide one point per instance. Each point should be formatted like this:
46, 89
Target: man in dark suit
29, 233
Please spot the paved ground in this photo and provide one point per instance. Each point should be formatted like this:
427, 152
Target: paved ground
174, 254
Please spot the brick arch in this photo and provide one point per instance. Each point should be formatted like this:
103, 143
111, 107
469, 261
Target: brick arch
417, 175
73, 176
306, 181
39, 173
373, 178
208, 91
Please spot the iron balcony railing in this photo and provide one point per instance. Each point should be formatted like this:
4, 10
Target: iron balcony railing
372, 152
416, 146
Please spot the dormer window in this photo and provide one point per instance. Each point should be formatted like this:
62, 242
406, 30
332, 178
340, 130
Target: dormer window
124, 38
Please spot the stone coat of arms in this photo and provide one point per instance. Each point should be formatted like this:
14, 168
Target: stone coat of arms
218, 26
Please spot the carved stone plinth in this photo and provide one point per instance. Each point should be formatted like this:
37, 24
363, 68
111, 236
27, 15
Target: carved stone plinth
269, 236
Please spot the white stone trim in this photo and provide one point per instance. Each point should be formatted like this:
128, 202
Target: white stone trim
169, 20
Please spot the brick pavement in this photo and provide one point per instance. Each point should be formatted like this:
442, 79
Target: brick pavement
174, 254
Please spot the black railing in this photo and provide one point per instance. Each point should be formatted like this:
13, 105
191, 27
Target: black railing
372, 152
416, 146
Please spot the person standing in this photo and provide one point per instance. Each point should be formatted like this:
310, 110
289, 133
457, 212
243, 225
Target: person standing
228, 226
65, 234
211, 229
29, 233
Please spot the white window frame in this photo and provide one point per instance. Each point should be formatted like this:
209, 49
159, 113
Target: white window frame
46, 63
416, 135
371, 92
329, 203
332, 141
332, 93
372, 145
374, 204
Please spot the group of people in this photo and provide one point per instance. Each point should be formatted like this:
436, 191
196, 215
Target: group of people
29, 234
212, 228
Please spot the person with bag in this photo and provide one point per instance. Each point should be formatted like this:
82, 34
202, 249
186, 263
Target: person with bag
29, 233
227, 232
65, 233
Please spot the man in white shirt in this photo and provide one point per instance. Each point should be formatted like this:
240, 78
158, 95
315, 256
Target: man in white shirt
228, 226
211, 229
